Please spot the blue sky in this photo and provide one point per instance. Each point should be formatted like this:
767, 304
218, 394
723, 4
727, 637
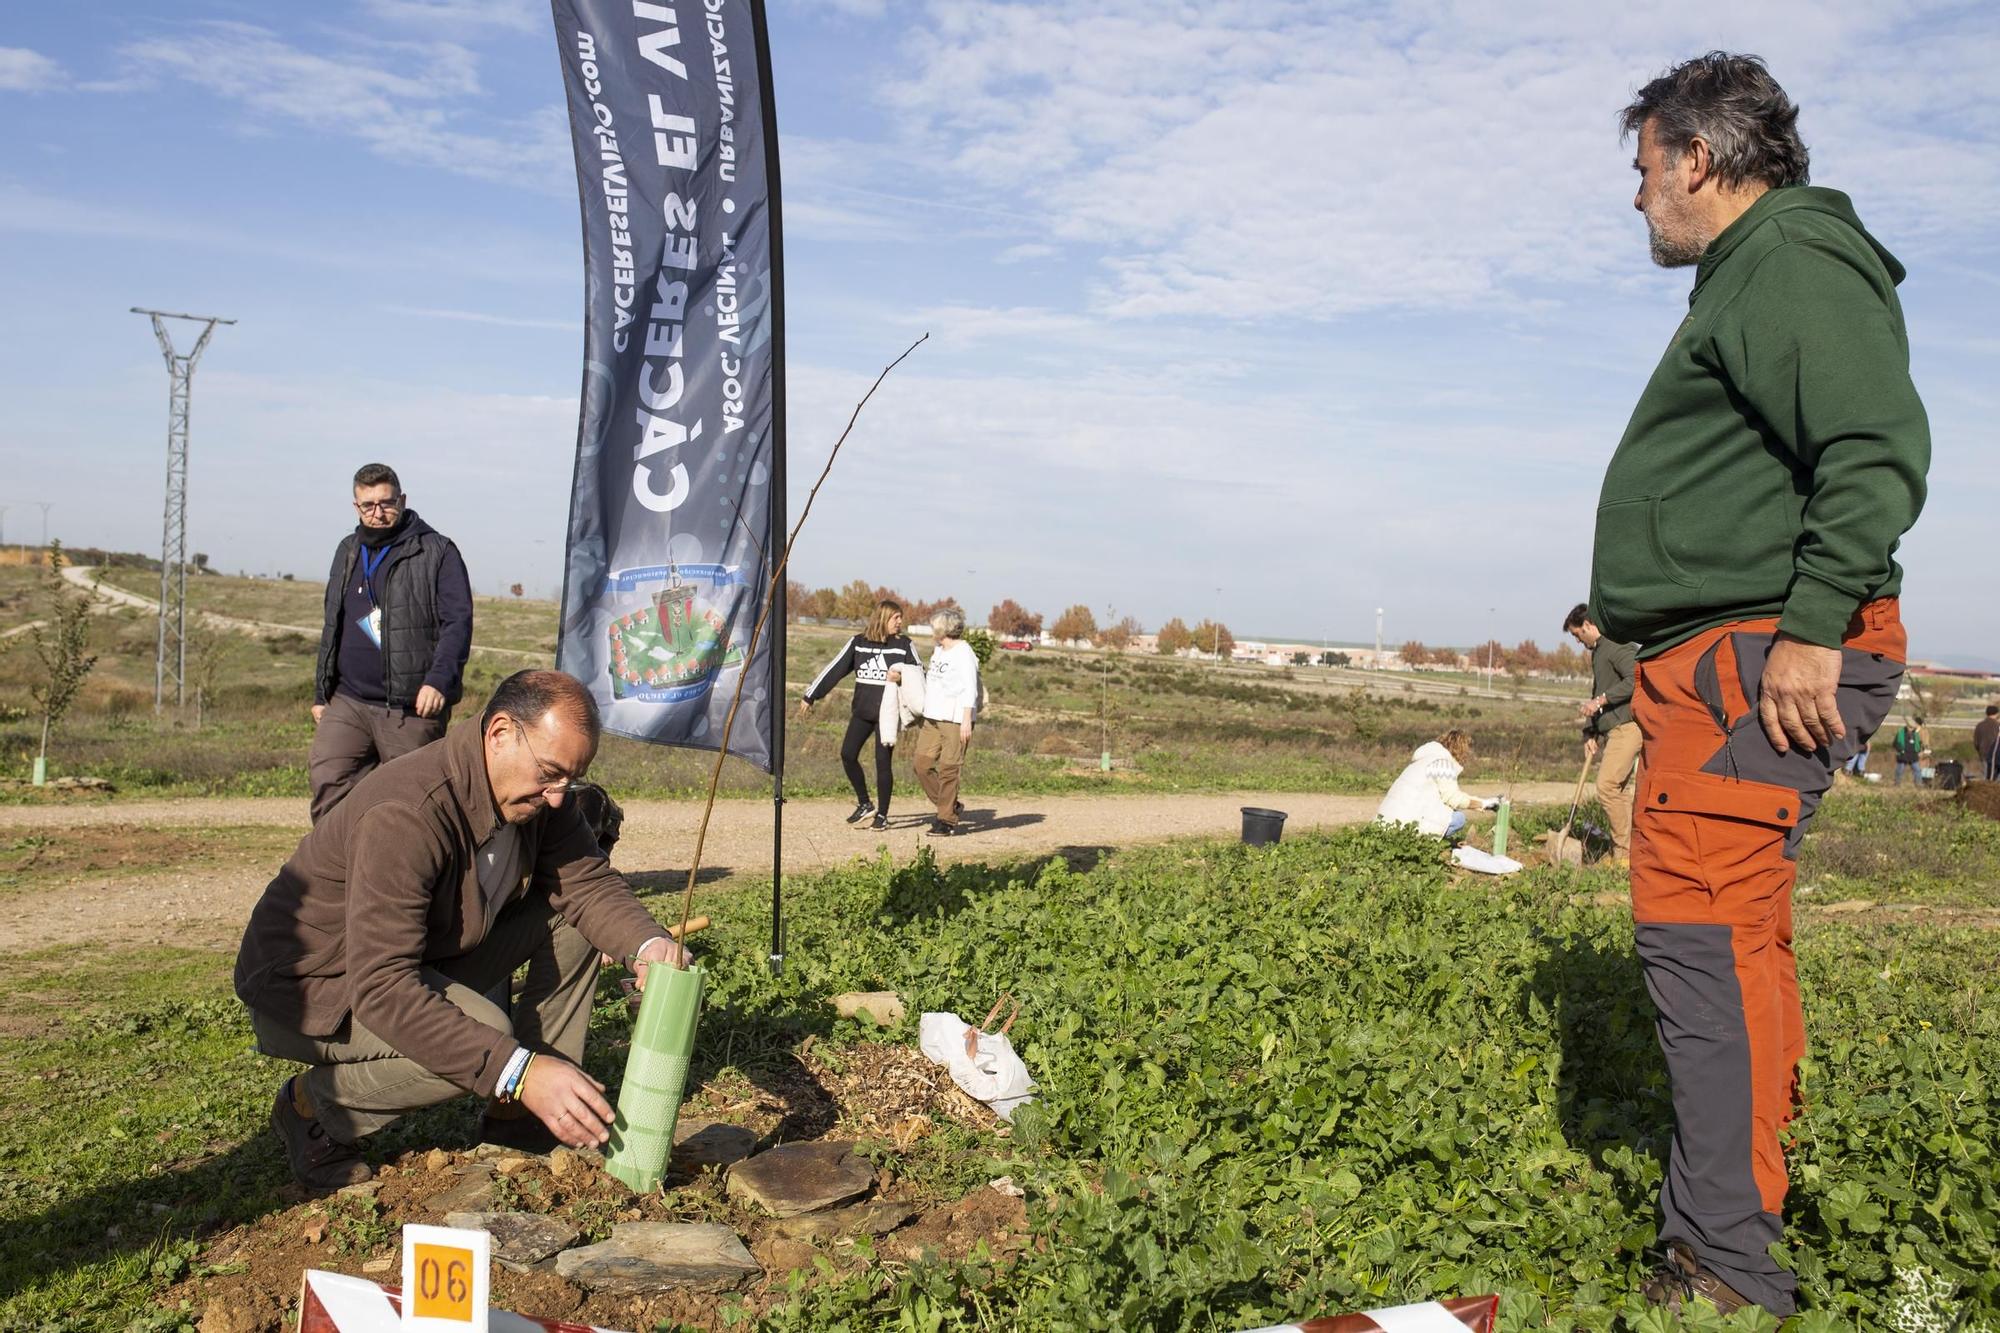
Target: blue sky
1279, 310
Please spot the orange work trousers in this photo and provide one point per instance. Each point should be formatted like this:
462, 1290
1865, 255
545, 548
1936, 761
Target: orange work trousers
1714, 841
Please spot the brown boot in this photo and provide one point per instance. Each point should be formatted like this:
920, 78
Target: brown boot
1679, 1279
317, 1162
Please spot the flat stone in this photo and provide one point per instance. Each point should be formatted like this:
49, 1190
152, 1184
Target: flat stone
383, 1265
876, 1218
563, 1161
783, 1256
473, 1193
884, 1008
437, 1159
513, 1166
699, 1143
646, 1257
520, 1240
801, 1178
367, 1189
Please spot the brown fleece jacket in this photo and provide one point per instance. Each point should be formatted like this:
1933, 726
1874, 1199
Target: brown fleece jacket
387, 883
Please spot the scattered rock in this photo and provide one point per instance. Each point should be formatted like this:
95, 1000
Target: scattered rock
366, 1189
513, 1166
437, 1160
229, 1314
781, 1256
876, 1218
1849, 905
520, 1240
563, 1161
645, 1257
381, 1265
699, 1143
801, 1178
1005, 1185
629, 1215
473, 1193
884, 1008
314, 1231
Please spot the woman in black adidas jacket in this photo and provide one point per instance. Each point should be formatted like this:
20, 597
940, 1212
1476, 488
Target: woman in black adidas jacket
869, 655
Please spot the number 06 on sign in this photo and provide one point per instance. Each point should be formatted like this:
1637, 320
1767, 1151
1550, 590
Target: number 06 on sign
445, 1279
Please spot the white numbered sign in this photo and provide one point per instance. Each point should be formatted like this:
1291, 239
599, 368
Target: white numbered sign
446, 1273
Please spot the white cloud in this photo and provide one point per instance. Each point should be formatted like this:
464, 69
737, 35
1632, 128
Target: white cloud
483, 317
419, 103
460, 15
1271, 159
1025, 252
25, 71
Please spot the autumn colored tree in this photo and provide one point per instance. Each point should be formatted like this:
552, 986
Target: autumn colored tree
1565, 661
1013, 620
856, 601
1414, 654
1174, 637
1117, 637
1527, 655
1491, 653
516, 590
1076, 625
820, 604
1213, 637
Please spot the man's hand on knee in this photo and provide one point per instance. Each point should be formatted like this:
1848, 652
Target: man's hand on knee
1799, 700
570, 1102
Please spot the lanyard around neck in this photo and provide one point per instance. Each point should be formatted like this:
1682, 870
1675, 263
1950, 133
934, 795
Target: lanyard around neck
368, 567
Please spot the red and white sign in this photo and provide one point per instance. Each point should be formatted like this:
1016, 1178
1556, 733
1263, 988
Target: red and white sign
337, 1303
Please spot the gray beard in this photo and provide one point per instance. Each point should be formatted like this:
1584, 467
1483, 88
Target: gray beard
1670, 253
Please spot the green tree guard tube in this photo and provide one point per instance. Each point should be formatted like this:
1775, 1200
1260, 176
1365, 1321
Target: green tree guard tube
656, 1072
1501, 817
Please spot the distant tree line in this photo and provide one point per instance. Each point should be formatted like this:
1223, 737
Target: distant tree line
1524, 658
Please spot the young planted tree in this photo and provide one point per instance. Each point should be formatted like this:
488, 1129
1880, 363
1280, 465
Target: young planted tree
61, 639
207, 646
1174, 637
1076, 625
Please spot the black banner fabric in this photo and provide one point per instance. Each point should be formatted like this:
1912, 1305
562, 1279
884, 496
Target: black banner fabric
677, 508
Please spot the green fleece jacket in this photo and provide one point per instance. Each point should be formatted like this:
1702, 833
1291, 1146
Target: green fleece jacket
1778, 454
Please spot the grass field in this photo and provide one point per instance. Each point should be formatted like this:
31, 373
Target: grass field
1279, 1082
1170, 725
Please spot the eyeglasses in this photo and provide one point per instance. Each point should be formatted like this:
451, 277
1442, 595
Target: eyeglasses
379, 506
562, 782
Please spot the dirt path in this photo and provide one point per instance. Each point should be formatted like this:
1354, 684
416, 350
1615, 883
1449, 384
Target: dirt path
201, 903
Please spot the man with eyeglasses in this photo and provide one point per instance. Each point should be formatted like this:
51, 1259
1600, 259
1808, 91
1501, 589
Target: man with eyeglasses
371, 956
392, 650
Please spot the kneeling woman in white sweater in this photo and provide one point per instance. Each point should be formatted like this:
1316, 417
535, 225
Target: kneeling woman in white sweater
1426, 793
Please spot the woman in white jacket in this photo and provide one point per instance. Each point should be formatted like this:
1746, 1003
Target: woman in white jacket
1426, 793
951, 699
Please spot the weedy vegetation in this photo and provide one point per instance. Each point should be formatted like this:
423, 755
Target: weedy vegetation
1322, 1076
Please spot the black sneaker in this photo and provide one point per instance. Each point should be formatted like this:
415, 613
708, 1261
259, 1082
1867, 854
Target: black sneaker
318, 1162
940, 829
880, 822
861, 812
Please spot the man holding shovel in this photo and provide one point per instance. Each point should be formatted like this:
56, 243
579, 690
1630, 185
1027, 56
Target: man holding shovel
371, 955
1610, 736
1746, 539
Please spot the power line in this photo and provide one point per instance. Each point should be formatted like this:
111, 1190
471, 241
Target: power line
172, 658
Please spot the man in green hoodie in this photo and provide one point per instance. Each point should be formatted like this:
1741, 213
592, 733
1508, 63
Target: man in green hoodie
1745, 541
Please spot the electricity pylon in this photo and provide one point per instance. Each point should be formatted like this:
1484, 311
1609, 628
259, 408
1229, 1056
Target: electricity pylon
172, 659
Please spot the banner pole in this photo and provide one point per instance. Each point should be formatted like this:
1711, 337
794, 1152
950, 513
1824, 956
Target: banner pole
773, 194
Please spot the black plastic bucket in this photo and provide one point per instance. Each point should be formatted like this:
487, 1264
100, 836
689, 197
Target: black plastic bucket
1950, 775
1262, 827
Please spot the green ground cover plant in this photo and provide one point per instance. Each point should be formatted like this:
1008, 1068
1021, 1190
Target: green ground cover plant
1321, 1076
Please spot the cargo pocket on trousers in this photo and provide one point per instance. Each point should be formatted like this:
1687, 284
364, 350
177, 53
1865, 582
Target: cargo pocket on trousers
1702, 835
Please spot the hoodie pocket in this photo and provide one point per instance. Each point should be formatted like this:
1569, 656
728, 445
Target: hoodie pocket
1633, 568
